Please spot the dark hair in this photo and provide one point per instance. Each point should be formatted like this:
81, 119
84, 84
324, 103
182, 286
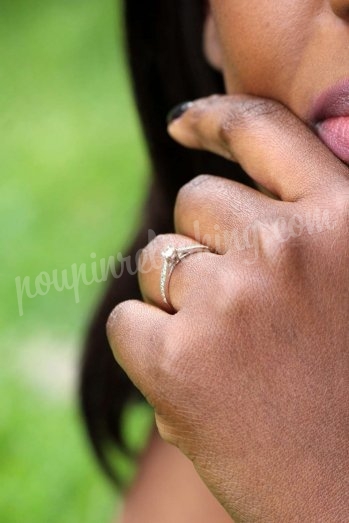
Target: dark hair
164, 42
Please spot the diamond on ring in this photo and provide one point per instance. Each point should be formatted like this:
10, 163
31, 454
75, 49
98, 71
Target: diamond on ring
171, 257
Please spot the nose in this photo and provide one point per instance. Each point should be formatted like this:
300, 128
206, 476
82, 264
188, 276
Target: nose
340, 8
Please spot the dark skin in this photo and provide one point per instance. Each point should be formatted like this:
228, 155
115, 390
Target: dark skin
250, 377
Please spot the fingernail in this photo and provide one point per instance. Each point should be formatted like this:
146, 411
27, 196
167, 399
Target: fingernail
178, 111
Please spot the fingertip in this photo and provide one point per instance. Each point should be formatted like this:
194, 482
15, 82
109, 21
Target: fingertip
181, 125
177, 112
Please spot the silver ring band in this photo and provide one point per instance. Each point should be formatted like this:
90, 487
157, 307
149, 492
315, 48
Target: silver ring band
172, 256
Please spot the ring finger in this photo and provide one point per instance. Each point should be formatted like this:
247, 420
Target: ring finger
171, 267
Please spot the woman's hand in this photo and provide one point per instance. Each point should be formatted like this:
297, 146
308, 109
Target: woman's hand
250, 377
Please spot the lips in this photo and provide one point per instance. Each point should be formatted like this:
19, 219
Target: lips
330, 119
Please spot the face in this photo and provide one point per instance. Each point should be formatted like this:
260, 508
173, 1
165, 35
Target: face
293, 51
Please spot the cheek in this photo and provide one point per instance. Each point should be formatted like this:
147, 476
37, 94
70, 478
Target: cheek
262, 42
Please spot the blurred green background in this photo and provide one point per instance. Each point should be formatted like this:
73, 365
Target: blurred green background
73, 176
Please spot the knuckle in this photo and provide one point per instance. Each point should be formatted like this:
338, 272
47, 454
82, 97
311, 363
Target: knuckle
186, 190
260, 107
247, 112
193, 190
117, 318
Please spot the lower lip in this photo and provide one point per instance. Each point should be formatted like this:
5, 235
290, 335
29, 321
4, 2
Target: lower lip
334, 132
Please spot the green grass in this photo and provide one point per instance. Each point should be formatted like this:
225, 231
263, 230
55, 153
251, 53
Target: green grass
73, 176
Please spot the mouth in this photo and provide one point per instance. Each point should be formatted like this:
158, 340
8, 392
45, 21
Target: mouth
330, 119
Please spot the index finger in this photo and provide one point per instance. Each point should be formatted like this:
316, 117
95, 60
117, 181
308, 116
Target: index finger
272, 145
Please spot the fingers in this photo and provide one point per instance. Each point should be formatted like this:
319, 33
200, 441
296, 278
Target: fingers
134, 331
178, 281
215, 211
272, 145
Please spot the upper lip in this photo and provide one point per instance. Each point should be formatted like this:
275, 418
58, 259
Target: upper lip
331, 103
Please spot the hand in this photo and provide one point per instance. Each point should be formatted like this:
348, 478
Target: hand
250, 377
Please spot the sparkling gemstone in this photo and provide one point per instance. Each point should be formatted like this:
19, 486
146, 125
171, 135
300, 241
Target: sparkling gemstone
170, 254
